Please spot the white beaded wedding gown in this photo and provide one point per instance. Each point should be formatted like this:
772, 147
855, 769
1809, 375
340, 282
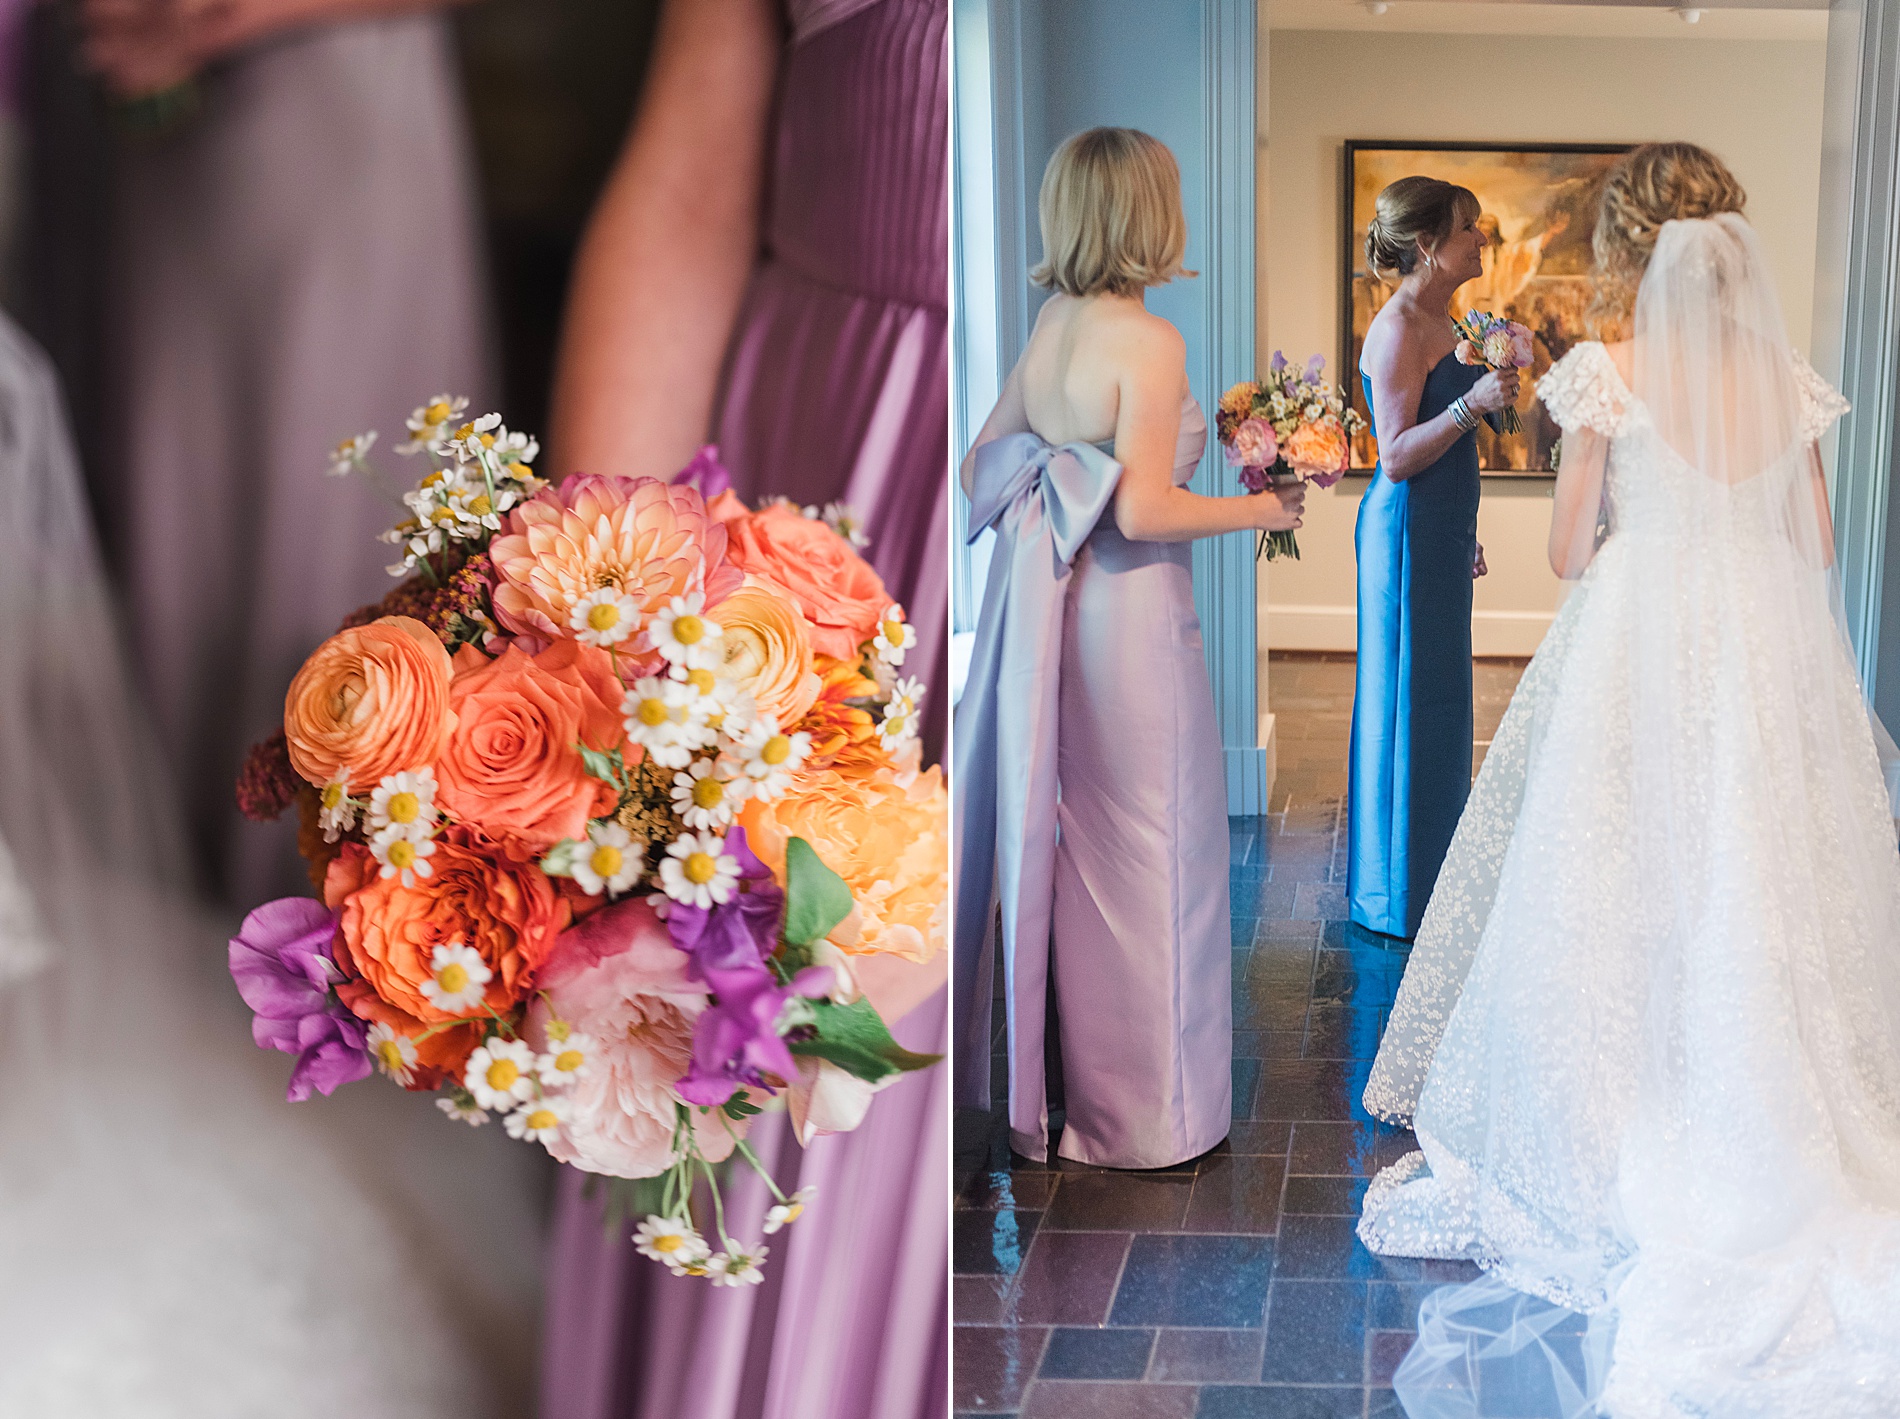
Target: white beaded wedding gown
177, 1241
1649, 1036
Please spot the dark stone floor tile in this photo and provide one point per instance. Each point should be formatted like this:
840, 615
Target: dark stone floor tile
1356, 986
1393, 1305
1252, 894
1369, 944
1288, 931
1096, 1399
1068, 1279
1236, 1193
1281, 1402
1217, 1281
1320, 901
977, 1300
990, 1243
1314, 819
1383, 1404
1449, 1273
1246, 1083
1094, 1354
1384, 1350
1204, 1356
1334, 1148
1343, 1032
1119, 1202
1269, 1044
1326, 1248
994, 1188
1316, 1332
1333, 1197
1241, 843
991, 1366
1311, 1089
1257, 1136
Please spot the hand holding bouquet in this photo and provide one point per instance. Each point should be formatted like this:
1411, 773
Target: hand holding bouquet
615, 811
1495, 343
1290, 427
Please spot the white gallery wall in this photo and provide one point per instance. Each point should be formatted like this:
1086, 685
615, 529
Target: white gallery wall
1755, 101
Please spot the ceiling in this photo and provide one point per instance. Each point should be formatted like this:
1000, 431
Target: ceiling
1657, 19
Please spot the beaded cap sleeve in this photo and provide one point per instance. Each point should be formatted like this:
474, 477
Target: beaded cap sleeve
1583, 390
1821, 402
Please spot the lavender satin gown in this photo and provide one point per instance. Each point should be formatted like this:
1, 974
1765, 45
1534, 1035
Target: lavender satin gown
835, 388
1090, 790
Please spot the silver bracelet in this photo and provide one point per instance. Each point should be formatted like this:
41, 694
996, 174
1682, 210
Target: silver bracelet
1462, 415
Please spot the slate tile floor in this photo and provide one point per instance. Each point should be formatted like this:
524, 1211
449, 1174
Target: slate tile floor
1232, 1286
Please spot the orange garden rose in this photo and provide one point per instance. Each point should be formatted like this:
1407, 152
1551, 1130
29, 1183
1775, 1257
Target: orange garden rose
767, 650
887, 835
841, 596
507, 911
648, 540
1318, 447
371, 701
511, 768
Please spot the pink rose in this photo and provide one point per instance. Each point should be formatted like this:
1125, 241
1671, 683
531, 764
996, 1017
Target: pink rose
1521, 353
1254, 445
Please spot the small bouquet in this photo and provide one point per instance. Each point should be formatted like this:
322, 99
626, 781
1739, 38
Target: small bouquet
1495, 343
1288, 428
616, 816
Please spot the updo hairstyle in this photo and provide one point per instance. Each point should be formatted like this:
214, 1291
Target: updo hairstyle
1408, 212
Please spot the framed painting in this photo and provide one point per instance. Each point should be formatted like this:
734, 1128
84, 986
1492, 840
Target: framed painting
1540, 206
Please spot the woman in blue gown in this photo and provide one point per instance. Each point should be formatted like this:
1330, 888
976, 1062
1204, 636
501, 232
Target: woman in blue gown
1417, 547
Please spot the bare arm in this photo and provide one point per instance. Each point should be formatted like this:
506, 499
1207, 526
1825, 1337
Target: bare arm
1823, 515
1398, 371
1576, 502
668, 251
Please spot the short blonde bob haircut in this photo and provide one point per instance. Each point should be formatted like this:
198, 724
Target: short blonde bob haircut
1111, 215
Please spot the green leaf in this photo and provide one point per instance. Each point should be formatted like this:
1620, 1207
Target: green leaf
609, 768
739, 1106
816, 898
854, 1038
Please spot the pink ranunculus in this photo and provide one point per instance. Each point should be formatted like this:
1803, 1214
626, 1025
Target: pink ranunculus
618, 977
1521, 352
1254, 445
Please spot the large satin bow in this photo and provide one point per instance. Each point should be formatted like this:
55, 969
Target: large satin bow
1042, 501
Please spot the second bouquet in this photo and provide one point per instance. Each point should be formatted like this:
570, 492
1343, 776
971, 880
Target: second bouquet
1289, 427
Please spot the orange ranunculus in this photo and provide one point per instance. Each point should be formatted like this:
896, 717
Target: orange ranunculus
843, 736
507, 911
840, 595
767, 650
1318, 447
511, 768
369, 702
887, 835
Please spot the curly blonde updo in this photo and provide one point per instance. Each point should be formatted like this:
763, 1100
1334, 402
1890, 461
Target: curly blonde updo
1409, 212
1111, 215
1656, 183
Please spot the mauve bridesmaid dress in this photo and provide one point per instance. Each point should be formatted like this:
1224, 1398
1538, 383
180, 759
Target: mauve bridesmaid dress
834, 389
1090, 788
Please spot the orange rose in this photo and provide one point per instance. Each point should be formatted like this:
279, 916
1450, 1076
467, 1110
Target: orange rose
887, 835
767, 649
510, 768
507, 911
1318, 447
369, 702
840, 595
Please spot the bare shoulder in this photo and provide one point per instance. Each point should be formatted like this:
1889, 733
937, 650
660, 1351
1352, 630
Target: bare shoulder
1387, 353
1142, 342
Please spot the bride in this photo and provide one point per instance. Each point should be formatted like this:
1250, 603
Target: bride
1648, 1036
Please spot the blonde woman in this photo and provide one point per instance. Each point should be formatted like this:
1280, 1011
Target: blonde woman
1090, 784
1647, 1034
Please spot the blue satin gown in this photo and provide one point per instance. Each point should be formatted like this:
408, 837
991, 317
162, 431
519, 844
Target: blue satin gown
1411, 706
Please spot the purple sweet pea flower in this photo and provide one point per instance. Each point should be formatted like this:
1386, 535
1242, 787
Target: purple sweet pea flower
705, 472
1315, 367
1279, 362
739, 933
280, 960
736, 1039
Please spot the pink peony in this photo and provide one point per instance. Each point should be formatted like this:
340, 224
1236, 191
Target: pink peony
1522, 354
649, 541
1320, 448
618, 977
1254, 445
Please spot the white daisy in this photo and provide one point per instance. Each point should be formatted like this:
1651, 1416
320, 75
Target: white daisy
406, 802
609, 861
458, 978
393, 1054
500, 1074
788, 1211
894, 636
841, 520
671, 1240
426, 424
604, 617
726, 706
900, 714
666, 718
348, 456
737, 1267
684, 634
514, 452
401, 854
566, 1059
698, 871
336, 811
470, 440
709, 792
538, 1120
462, 1109
772, 757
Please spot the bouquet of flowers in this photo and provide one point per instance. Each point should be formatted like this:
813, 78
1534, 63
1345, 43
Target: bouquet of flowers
1495, 343
1288, 428
616, 814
